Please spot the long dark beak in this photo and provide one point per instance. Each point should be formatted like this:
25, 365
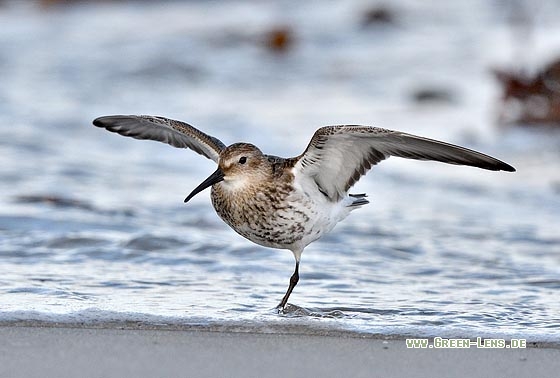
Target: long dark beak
211, 180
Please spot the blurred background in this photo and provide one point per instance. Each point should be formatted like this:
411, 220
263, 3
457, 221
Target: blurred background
91, 222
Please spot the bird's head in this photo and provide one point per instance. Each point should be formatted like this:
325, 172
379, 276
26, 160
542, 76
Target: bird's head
240, 164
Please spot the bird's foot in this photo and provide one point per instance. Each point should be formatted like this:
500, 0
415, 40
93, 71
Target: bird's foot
281, 308
287, 308
292, 310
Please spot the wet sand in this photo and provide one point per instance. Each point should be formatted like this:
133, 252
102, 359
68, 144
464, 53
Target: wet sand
65, 351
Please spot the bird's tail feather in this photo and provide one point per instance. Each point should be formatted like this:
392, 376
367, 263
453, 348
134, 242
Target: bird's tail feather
358, 200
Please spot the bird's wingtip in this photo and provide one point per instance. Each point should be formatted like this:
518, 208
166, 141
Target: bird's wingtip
508, 168
106, 121
100, 121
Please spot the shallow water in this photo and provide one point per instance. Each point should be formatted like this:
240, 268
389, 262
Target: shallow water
93, 226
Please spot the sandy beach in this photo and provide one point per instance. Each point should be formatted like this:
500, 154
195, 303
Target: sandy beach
65, 351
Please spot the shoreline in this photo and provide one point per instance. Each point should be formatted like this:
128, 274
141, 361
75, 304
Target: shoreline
286, 329
61, 350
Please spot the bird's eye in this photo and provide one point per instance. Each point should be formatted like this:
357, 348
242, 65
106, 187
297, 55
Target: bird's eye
242, 160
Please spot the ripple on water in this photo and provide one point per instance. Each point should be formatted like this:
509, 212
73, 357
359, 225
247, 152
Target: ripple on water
48, 292
292, 310
153, 243
70, 242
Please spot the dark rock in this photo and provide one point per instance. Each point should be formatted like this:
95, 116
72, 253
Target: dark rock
378, 15
530, 99
432, 95
279, 39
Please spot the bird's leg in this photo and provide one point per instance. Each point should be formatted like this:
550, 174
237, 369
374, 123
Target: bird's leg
293, 282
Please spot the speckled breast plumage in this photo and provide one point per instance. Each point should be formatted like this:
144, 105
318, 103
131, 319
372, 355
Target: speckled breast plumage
272, 215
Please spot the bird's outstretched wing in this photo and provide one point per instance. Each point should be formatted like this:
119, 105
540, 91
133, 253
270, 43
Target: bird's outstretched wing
176, 133
338, 156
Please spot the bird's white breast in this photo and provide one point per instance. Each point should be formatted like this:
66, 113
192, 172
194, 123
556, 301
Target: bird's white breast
323, 213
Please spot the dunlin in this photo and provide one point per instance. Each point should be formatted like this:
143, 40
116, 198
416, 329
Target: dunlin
288, 203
